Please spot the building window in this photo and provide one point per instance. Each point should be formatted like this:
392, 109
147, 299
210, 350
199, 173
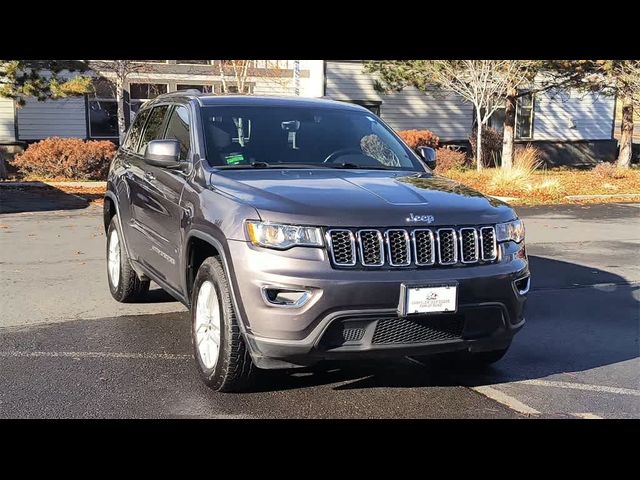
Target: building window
200, 88
372, 105
103, 118
248, 89
524, 116
193, 62
141, 92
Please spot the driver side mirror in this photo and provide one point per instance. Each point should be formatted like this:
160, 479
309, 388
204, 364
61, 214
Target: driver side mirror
429, 155
163, 153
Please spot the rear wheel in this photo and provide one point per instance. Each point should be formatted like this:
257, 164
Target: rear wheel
124, 283
221, 354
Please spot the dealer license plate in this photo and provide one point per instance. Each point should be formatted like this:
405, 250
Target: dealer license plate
441, 298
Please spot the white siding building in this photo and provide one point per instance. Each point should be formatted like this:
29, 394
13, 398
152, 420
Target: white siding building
568, 127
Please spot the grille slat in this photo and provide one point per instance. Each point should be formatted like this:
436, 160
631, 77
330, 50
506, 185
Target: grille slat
399, 247
343, 248
447, 246
424, 251
488, 244
371, 247
468, 245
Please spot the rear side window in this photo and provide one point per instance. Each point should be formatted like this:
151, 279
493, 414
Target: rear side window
178, 129
153, 128
131, 142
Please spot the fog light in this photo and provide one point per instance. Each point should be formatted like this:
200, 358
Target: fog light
522, 285
284, 297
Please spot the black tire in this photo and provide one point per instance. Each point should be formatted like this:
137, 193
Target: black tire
234, 369
130, 288
464, 359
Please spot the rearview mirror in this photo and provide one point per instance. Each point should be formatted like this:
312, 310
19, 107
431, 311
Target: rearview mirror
429, 155
163, 153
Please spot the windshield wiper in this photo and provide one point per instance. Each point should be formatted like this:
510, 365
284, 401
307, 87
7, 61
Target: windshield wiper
364, 167
273, 165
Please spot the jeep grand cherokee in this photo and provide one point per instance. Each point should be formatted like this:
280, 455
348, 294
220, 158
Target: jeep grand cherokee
297, 230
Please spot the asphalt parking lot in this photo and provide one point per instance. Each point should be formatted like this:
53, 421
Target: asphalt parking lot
68, 350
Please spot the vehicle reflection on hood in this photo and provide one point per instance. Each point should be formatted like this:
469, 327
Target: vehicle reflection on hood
442, 184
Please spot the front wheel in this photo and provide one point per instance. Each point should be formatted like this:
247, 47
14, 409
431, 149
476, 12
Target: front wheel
221, 354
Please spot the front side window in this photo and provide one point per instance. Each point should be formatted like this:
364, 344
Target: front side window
178, 129
135, 131
153, 128
281, 136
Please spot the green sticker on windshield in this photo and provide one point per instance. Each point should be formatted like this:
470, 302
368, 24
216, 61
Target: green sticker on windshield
234, 159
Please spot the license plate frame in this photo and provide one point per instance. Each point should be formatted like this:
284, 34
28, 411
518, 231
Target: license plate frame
405, 288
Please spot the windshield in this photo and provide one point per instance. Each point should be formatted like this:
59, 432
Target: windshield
259, 136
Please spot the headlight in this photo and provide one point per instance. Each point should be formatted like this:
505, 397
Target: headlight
513, 231
281, 237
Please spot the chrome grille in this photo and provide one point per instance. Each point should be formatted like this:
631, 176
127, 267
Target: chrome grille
343, 247
424, 252
420, 247
488, 243
447, 248
468, 245
398, 248
371, 248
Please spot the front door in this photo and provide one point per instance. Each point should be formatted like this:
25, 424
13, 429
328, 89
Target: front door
155, 195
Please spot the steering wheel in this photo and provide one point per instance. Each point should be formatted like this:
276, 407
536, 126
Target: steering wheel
343, 151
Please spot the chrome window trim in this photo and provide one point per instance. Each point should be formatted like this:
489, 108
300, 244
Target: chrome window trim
495, 245
476, 245
407, 242
415, 246
380, 246
455, 246
353, 247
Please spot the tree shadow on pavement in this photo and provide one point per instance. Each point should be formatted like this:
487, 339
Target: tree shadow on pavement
38, 199
578, 318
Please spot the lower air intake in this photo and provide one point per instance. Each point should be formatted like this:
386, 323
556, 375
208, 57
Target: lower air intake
419, 329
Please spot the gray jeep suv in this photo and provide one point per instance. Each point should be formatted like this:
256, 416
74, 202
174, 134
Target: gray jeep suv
298, 230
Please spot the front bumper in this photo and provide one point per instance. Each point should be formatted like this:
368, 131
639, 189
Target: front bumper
490, 308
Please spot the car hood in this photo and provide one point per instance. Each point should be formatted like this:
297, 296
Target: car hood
363, 198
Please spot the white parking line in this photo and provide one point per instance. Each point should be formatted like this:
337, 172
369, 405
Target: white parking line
503, 398
580, 386
143, 356
588, 416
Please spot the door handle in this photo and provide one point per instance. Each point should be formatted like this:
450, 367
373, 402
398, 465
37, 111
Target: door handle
149, 176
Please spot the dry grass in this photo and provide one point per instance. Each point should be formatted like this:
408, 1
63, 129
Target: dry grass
552, 186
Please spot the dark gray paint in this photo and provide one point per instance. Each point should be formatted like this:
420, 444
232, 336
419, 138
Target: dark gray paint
161, 209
